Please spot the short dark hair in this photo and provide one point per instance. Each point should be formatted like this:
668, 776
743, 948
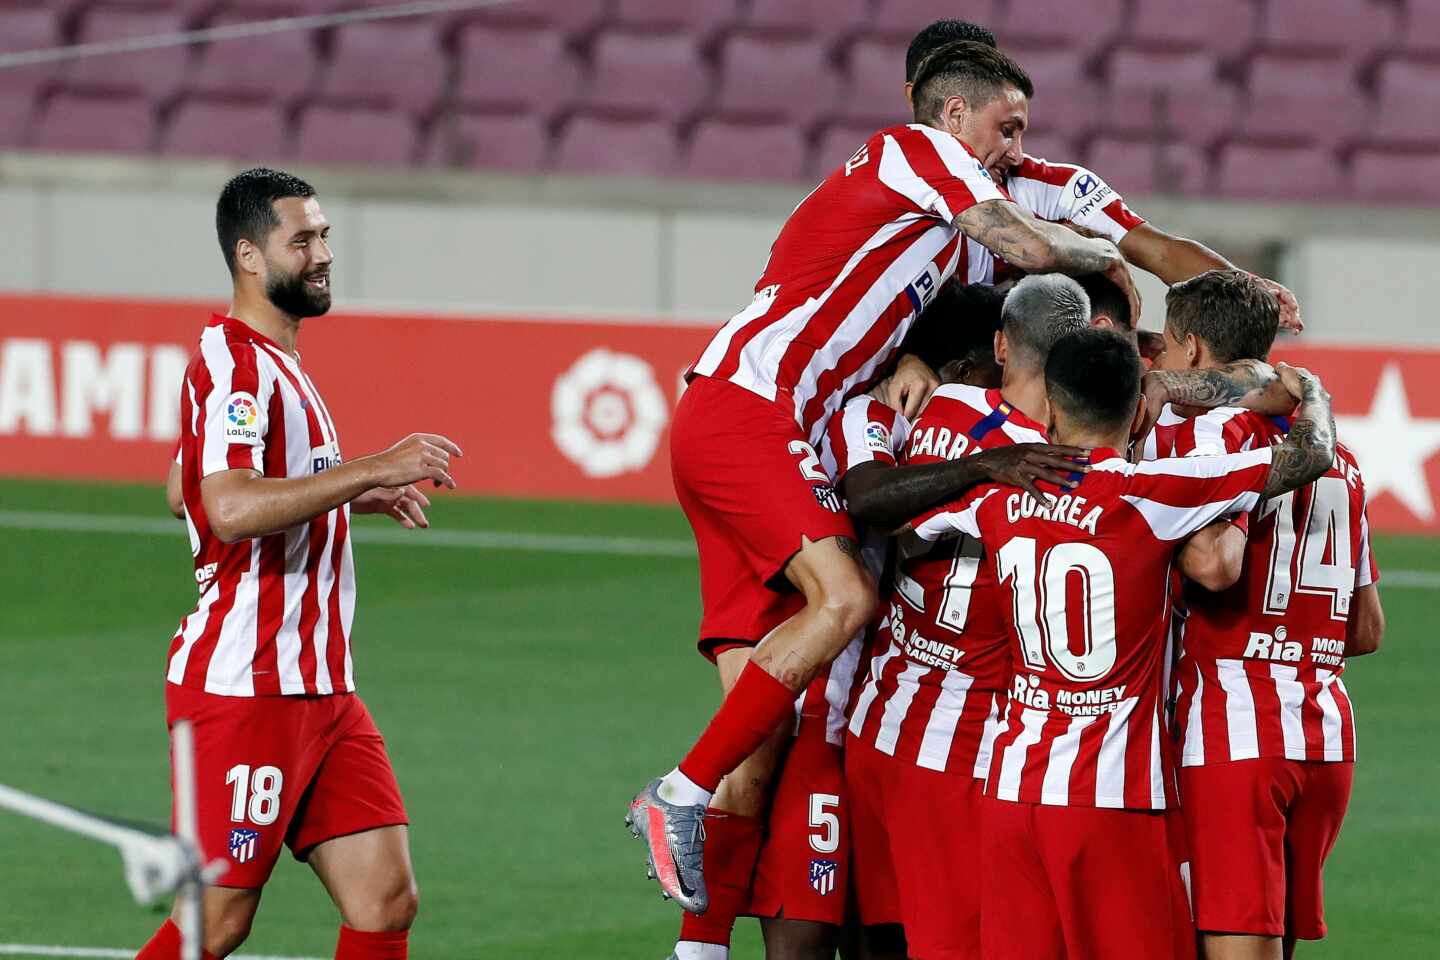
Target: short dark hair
972, 70
1106, 298
937, 35
1231, 311
246, 208
959, 324
1038, 311
1093, 376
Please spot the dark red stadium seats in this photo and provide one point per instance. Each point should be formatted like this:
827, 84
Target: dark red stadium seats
154, 74
1349, 28
491, 141
1298, 173
657, 74
92, 123
873, 89
1137, 167
1047, 146
721, 150
838, 143
702, 19
1222, 26
1067, 101
611, 145
15, 111
1088, 24
827, 20
903, 19
219, 128
278, 67
1420, 28
1160, 93
395, 63
570, 18
23, 29
1409, 94
774, 78
1390, 176
359, 137
1302, 97
516, 69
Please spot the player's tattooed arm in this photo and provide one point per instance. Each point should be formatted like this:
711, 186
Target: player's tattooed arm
886, 497
1252, 384
1037, 246
1309, 450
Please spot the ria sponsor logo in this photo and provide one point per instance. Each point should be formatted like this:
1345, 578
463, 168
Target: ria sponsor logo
1279, 649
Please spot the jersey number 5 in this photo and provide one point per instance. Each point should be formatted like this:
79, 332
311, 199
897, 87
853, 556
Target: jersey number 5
257, 793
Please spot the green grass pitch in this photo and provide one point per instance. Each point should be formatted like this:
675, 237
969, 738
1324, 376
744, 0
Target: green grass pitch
524, 696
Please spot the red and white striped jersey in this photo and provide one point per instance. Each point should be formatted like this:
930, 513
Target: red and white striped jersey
1088, 609
866, 431
1063, 192
275, 612
853, 266
1260, 666
936, 685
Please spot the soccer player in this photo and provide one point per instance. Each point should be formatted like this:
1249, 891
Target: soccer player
1266, 724
1069, 193
850, 270
286, 752
920, 732
1078, 852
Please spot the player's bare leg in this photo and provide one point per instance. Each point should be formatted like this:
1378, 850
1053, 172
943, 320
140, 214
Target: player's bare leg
1234, 946
228, 913
798, 939
669, 813
371, 880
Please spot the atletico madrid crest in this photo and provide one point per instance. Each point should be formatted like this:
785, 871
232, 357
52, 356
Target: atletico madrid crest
242, 845
822, 875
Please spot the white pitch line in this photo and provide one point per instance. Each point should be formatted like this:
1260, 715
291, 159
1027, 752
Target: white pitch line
38, 950
479, 540
465, 539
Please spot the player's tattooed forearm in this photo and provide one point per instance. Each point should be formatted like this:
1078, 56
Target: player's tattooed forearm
1216, 387
1309, 450
902, 493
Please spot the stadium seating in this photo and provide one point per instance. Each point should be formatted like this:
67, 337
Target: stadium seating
1279, 171
677, 86
1388, 176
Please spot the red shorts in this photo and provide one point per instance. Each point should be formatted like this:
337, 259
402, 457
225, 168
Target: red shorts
298, 770
804, 868
1259, 833
752, 488
1083, 883
917, 851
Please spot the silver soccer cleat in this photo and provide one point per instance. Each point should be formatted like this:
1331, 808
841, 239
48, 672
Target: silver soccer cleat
675, 846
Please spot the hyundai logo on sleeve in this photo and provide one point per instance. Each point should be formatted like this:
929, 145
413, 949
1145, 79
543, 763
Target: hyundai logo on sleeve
1085, 185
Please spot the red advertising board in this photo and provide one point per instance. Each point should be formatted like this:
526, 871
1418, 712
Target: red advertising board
542, 407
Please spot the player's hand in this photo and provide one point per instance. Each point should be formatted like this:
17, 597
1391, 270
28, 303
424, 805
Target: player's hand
1151, 344
1289, 306
1295, 379
405, 505
910, 386
1025, 465
420, 456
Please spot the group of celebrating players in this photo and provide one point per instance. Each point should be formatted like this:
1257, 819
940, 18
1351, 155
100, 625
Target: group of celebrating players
1027, 652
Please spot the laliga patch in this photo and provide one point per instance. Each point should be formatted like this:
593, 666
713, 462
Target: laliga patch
242, 419
877, 437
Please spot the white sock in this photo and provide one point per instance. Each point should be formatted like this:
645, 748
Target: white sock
679, 789
695, 950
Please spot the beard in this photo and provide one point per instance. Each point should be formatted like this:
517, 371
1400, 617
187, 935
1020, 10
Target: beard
292, 294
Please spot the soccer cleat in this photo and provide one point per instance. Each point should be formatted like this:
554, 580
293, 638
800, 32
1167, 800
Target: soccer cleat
674, 837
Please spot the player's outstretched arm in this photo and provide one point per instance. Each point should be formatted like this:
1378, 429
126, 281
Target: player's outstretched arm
1309, 449
1214, 557
242, 505
886, 497
1037, 246
174, 495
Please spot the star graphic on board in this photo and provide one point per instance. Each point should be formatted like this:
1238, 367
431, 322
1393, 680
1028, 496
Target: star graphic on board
1392, 446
